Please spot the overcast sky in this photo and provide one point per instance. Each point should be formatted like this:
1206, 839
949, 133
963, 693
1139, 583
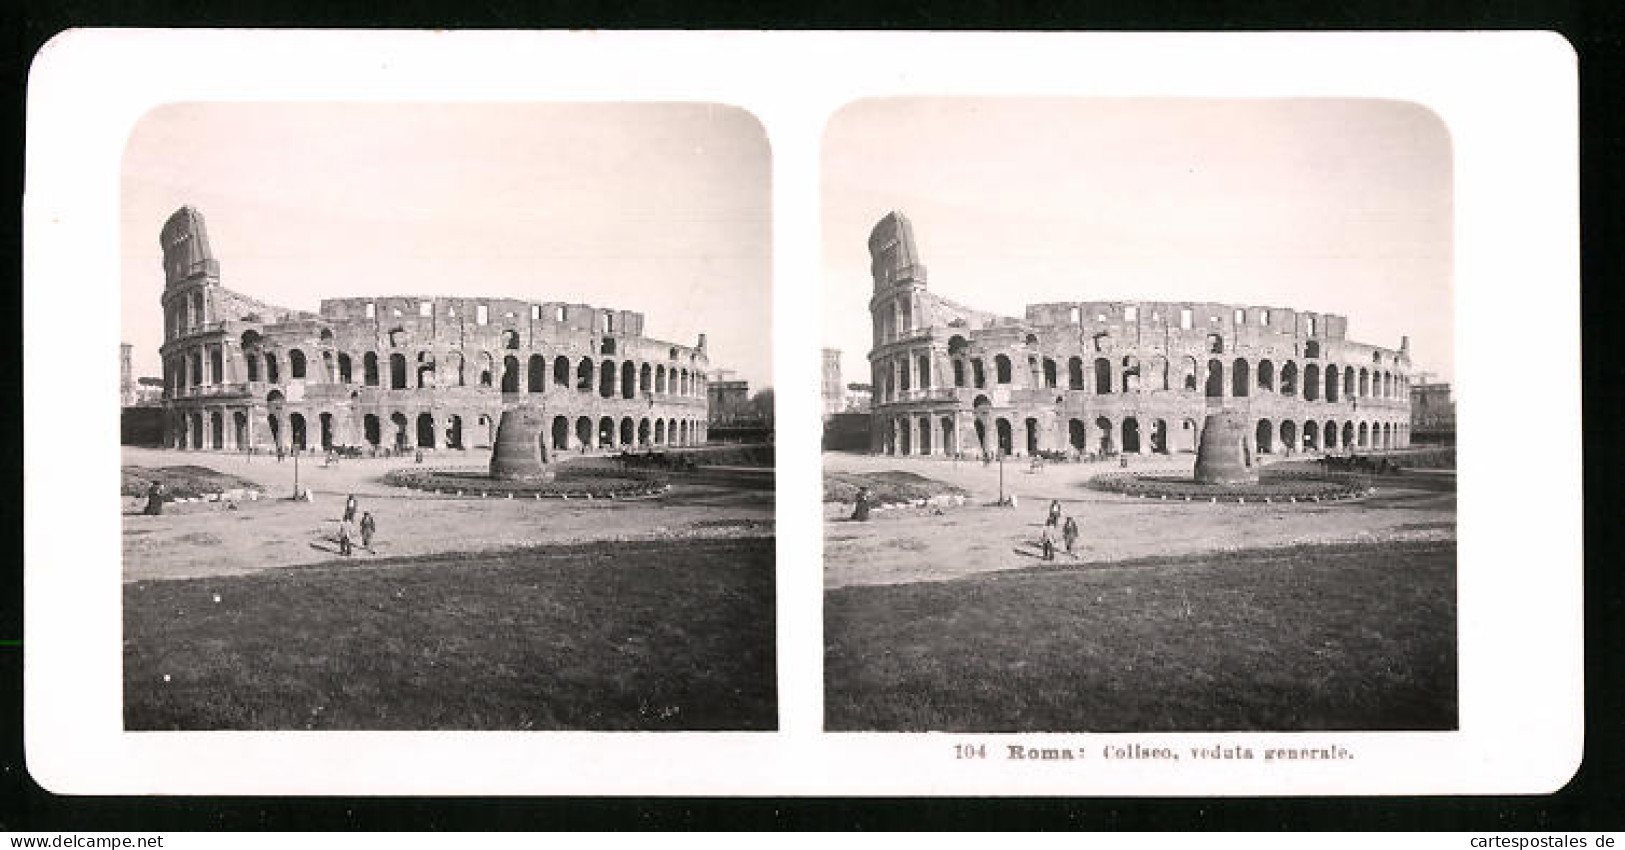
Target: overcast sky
657, 208
1334, 206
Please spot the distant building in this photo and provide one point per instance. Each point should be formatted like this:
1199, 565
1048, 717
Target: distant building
834, 394
1433, 413
859, 397
729, 401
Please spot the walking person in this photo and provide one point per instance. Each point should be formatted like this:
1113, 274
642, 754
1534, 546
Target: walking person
344, 537
860, 510
1053, 519
1047, 543
155, 499
349, 508
369, 527
1069, 534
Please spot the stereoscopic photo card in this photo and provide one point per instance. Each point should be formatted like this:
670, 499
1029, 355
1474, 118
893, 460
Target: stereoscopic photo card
637, 413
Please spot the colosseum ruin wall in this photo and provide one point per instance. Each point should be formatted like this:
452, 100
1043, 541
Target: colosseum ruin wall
408, 372
1103, 377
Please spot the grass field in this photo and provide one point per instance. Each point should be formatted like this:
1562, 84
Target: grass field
889, 486
1312, 638
606, 636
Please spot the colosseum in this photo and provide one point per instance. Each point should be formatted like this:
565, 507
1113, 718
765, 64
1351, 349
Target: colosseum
1103, 377
404, 372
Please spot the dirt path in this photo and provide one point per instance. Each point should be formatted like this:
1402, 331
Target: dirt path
915, 544
201, 539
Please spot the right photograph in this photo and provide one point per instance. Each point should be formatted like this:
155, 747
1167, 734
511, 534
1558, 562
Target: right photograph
1165, 439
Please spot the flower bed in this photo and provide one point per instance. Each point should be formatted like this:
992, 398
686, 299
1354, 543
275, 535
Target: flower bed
577, 483
1274, 486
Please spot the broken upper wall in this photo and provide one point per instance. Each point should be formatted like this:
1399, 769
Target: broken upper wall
893, 258
185, 243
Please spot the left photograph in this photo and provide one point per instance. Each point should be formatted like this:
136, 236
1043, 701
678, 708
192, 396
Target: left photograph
447, 417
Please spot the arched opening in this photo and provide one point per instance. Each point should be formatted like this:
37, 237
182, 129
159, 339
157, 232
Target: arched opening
1311, 436
510, 374
1189, 431
1188, 374
1131, 435
1328, 435
1006, 443
981, 436
629, 381
684, 437
510, 340
660, 432
1215, 344
1289, 435
949, 444
196, 359
1103, 376
925, 435
1032, 435
628, 431
905, 436
397, 371
1311, 382
1348, 382
425, 370
1131, 374
584, 432
239, 429
644, 429
1365, 435
1157, 378
1332, 383
1074, 373
425, 435
1387, 435
1266, 376
1076, 435
606, 379
296, 364
1215, 379
1240, 378
1348, 435
561, 371
1311, 348
217, 430
1103, 428
399, 438
584, 380
1262, 436
1050, 376
325, 421
561, 433
487, 369
271, 375
1001, 366
296, 424
1289, 379
217, 365
370, 430
959, 373
536, 374
660, 379
1159, 436
345, 371
196, 426
978, 373
252, 361
646, 377
454, 432
606, 432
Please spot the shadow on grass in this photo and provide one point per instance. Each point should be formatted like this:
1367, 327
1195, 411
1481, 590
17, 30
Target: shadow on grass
1306, 639
604, 636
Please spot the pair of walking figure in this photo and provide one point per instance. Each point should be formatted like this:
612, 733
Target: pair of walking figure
1068, 530
369, 527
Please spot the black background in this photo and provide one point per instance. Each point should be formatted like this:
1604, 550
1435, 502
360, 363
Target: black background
1594, 800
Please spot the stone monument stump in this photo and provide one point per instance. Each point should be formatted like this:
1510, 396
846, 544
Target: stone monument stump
1225, 455
521, 453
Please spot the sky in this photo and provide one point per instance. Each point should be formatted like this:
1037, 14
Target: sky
663, 209
1337, 206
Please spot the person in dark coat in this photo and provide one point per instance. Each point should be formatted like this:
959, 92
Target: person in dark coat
155, 499
860, 510
349, 508
1053, 519
1069, 533
369, 527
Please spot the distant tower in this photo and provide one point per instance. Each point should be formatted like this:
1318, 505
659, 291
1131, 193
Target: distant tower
834, 390
126, 375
